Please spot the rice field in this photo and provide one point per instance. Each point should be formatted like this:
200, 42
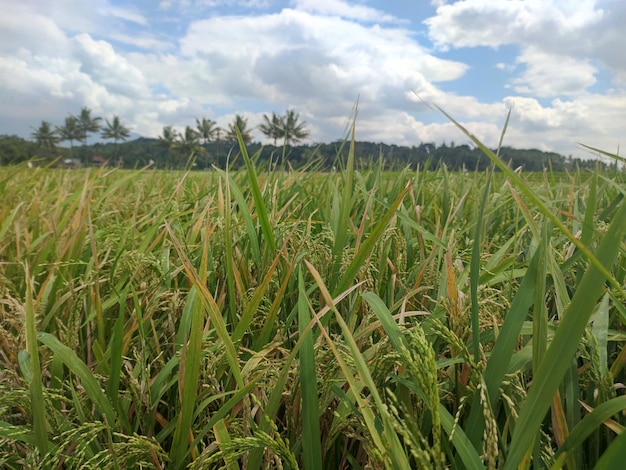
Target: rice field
347, 320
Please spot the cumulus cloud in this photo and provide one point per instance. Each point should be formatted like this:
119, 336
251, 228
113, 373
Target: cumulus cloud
50, 71
549, 34
295, 54
318, 58
552, 24
409, 130
592, 119
562, 47
34, 76
293, 58
552, 75
23, 30
104, 66
67, 15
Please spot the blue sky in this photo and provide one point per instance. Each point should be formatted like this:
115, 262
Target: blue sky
559, 64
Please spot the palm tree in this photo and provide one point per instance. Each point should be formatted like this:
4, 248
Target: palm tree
87, 124
188, 143
117, 131
207, 130
218, 141
167, 139
272, 128
293, 131
69, 131
46, 138
240, 123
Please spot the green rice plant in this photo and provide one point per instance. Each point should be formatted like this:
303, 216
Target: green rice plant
188, 380
260, 207
341, 211
386, 442
351, 319
89, 382
311, 438
40, 422
552, 367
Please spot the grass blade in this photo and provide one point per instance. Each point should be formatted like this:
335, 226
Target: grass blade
605, 153
591, 422
116, 348
214, 312
76, 366
245, 213
37, 402
259, 204
188, 381
275, 396
368, 245
341, 220
251, 309
475, 270
18, 433
223, 437
462, 444
614, 456
311, 440
564, 344
387, 441
502, 352
543, 208
540, 314
600, 329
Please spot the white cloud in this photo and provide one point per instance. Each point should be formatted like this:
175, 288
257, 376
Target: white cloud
148, 43
344, 9
126, 14
552, 24
68, 15
594, 119
408, 130
317, 58
24, 30
318, 65
48, 72
32, 76
561, 48
552, 75
564, 32
295, 54
195, 5
104, 66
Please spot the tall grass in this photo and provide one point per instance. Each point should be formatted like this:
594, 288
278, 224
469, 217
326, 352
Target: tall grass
358, 319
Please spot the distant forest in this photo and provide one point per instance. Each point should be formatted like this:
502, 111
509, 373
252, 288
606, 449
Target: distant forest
144, 151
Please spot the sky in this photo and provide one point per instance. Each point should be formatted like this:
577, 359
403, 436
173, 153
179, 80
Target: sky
558, 65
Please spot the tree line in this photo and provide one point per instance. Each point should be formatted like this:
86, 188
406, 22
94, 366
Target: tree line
207, 144
77, 128
188, 144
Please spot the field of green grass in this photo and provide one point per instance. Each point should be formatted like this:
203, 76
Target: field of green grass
307, 320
